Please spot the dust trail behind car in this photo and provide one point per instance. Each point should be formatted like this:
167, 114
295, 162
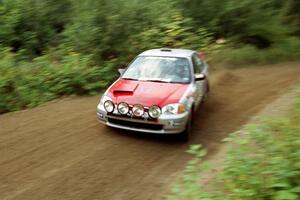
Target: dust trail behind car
59, 151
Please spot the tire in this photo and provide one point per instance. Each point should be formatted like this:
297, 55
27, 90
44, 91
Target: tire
208, 87
186, 134
206, 94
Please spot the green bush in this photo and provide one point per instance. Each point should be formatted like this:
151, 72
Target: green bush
118, 29
262, 163
37, 37
30, 27
134, 27
283, 50
28, 84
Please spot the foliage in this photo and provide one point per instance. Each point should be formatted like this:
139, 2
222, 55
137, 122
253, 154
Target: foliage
284, 50
37, 36
118, 29
259, 23
262, 163
29, 84
30, 26
177, 33
130, 29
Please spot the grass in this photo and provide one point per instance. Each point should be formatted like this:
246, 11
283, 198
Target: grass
28, 84
286, 50
263, 162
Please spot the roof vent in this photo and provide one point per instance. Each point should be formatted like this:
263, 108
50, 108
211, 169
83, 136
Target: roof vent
166, 49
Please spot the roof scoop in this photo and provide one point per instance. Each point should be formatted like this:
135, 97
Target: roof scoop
166, 49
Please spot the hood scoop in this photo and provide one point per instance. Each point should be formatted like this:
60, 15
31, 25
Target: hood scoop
126, 89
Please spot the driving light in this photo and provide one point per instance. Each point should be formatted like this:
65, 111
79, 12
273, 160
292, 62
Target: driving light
154, 112
109, 106
172, 109
123, 108
138, 110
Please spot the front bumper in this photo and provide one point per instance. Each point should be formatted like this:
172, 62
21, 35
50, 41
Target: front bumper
165, 124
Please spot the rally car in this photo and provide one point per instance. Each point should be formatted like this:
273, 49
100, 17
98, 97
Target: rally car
157, 93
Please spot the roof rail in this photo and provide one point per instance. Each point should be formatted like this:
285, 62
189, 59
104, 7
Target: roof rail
166, 49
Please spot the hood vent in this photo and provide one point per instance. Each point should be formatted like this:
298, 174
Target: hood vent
126, 88
122, 92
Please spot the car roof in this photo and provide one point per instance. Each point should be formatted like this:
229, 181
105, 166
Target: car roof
168, 52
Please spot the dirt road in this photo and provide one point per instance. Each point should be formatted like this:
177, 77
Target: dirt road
60, 151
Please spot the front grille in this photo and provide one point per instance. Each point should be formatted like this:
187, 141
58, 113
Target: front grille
131, 116
135, 124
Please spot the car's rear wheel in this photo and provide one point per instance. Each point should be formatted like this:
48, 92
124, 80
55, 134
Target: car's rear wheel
186, 134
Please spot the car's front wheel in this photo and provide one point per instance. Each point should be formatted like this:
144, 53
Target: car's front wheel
186, 134
204, 98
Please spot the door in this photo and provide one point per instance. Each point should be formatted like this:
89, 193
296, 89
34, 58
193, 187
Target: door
200, 67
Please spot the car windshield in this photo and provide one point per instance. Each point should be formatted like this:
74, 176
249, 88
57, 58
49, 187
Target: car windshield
159, 69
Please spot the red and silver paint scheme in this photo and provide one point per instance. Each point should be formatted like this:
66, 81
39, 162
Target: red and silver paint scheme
142, 96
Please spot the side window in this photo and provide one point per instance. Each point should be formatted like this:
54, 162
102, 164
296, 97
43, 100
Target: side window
198, 64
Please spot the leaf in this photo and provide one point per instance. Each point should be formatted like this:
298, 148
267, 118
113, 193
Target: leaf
227, 139
201, 153
296, 189
280, 185
285, 195
194, 148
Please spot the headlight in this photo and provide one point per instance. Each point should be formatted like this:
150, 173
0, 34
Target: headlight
103, 99
123, 108
172, 109
138, 110
109, 106
154, 112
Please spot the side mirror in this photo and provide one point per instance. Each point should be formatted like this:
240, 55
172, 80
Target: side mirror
121, 71
200, 77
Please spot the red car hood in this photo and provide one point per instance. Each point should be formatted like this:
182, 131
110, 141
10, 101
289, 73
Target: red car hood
146, 93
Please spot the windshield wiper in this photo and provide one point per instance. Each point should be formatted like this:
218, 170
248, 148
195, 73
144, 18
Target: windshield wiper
156, 80
133, 79
179, 82
148, 80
